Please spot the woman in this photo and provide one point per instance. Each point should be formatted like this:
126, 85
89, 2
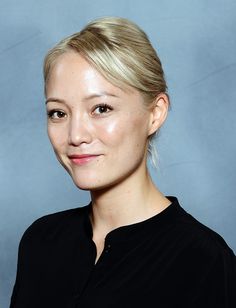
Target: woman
131, 246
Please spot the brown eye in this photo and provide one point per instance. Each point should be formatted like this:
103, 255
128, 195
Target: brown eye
103, 108
56, 114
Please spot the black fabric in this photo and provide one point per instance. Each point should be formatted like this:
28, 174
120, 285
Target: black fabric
169, 260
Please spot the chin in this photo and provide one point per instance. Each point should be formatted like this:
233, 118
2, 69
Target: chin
86, 183
88, 186
93, 182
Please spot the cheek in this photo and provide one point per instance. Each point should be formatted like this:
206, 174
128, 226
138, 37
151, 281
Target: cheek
111, 128
112, 131
56, 136
126, 130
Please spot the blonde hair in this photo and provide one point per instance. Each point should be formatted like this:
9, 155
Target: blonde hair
122, 53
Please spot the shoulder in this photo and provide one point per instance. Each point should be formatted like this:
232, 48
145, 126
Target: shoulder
203, 258
201, 244
210, 262
55, 225
201, 234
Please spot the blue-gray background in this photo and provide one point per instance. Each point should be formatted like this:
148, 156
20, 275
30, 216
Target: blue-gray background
196, 42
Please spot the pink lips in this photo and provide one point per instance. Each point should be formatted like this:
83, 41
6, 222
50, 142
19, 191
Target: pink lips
82, 159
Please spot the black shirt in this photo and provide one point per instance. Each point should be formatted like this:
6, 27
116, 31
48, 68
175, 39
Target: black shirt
168, 260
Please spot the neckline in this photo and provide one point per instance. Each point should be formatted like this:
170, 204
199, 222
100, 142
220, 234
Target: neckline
131, 231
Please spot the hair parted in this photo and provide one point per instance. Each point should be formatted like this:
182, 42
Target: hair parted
121, 52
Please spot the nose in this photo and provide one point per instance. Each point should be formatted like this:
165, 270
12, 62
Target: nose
79, 130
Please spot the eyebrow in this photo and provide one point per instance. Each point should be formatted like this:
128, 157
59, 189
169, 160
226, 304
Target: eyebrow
54, 99
89, 97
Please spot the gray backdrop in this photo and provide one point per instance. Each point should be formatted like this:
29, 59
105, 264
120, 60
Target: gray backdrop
196, 42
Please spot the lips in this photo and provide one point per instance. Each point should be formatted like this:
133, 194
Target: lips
83, 158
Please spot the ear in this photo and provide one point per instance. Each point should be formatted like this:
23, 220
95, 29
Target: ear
159, 112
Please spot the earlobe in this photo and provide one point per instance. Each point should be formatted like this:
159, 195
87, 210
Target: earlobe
159, 112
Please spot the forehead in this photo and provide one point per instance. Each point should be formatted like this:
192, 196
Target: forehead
71, 74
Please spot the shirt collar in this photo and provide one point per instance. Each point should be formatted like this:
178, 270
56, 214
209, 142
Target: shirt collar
143, 228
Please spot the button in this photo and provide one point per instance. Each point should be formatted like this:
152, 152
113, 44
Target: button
108, 247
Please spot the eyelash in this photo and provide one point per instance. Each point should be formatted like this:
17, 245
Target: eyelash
106, 106
52, 112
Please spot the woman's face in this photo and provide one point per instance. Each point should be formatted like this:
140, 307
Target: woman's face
98, 131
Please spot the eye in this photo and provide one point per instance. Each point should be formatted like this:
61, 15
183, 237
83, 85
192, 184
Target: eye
56, 114
102, 108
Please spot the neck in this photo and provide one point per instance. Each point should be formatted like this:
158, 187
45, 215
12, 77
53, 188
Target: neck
133, 200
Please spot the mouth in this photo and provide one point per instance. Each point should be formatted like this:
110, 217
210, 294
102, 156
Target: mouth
82, 159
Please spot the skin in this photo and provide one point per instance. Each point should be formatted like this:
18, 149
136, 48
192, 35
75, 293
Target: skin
121, 188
